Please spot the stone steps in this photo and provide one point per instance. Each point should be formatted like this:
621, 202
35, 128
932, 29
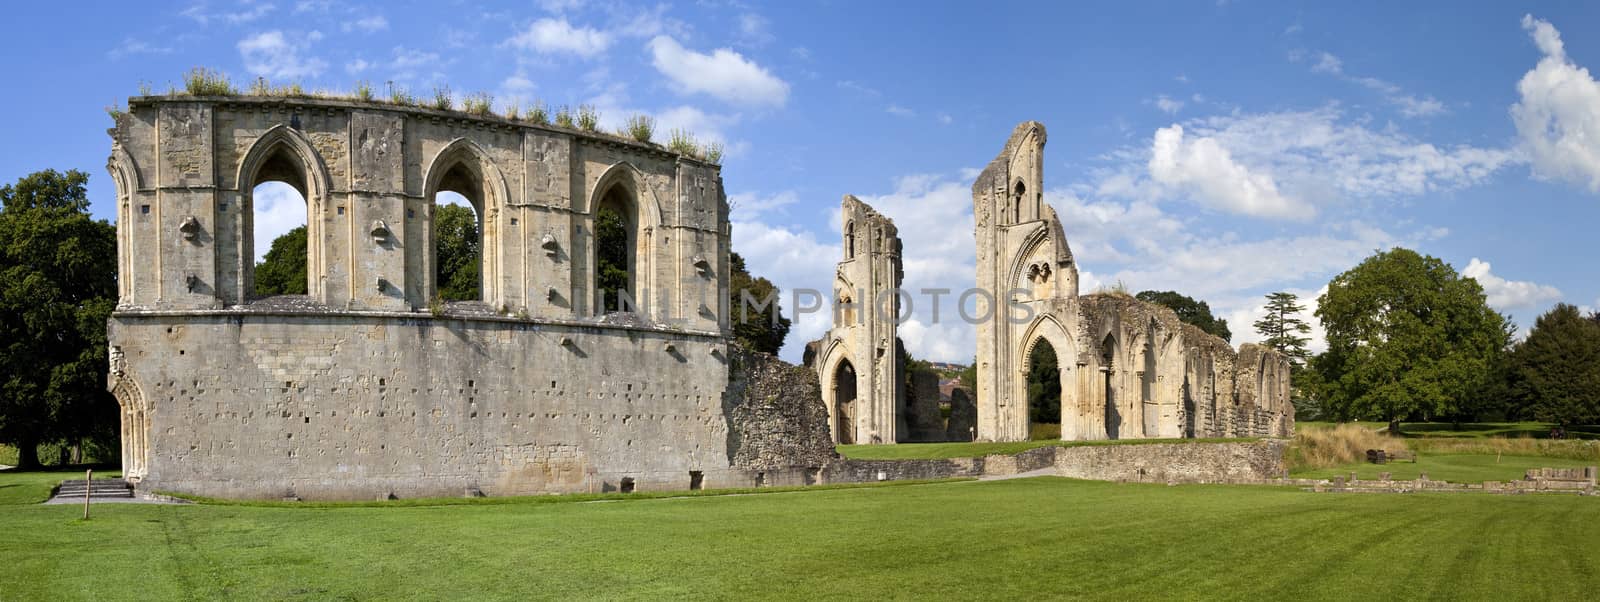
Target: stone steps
98, 489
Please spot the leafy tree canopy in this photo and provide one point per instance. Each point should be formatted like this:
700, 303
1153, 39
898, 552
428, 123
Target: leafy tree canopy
458, 253
283, 270
763, 329
1044, 385
57, 288
611, 256
1407, 336
1189, 311
1555, 373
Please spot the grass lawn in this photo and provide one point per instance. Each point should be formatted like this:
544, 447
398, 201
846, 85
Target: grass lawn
34, 487
1456, 468
1477, 430
1027, 538
932, 451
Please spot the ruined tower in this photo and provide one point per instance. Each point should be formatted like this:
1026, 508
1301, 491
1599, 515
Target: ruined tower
1025, 269
857, 361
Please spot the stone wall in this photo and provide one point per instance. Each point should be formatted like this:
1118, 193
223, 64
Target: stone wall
1175, 462
1228, 462
359, 407
776, 416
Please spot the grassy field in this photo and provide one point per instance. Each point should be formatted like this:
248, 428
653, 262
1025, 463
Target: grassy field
1027, 538
1454, 468
934, 451
1479, 430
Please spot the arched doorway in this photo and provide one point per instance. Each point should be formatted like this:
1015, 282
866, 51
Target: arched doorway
1044, 392
1108, 370
844, 402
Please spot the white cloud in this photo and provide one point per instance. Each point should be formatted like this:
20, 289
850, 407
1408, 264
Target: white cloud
1202, 166
356, 66
858, 88
371, 24
249, 10
1314, 157
278, 208
1167, 105
410, 64
945, 119
557, 36
1409, 105
1242, 318
1506, 295
560, 6
754, 30
899, 111
748, 206
131, 46
723, 74
271, 54
1558, 114
792, 259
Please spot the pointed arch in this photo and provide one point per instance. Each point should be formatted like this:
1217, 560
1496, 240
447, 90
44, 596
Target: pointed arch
464, 167
135, 427
836, 354
1048, 328
622, 187
282, 153
125, 176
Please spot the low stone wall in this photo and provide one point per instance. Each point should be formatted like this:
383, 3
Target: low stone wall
1581, 481
1240, 462
1234, 462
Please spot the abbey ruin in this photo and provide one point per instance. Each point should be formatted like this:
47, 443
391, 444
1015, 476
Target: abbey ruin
1129, 369
371, 386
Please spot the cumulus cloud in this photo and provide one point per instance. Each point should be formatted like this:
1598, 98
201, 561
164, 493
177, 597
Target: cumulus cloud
723, 74
1202, 166
1558, 113
1310, 158
556, 36
1506, 295
272, 54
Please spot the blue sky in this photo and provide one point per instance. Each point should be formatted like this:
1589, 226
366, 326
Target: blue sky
1224, 150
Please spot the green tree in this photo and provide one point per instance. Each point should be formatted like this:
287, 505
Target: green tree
283, 270
1044, 386
762, 330
458, 253
611, 256
57, 288
1407, 336
1555, 373
1189, 311
1282, 327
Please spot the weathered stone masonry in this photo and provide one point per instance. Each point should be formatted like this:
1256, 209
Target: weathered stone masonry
1129, 369
360, 389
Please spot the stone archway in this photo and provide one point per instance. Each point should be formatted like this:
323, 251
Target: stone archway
843, 387
135, 426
